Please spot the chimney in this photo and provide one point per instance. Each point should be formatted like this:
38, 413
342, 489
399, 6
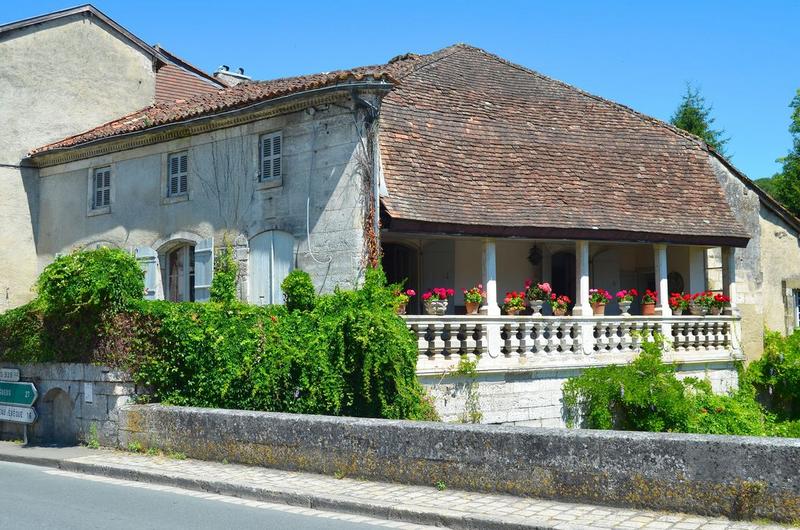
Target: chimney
225, 75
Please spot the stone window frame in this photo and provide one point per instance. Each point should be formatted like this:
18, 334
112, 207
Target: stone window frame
270, 182
91, 210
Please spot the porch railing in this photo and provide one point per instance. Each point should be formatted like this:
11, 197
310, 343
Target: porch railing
509, 342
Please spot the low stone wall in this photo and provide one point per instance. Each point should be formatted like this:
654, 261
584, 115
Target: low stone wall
533, 398
72, 397
739, 477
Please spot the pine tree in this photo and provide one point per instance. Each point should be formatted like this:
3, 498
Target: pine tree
694, 116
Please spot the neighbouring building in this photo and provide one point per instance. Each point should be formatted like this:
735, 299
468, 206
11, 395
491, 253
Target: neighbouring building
452, 168
63, 73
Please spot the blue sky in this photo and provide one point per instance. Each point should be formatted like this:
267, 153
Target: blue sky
743, 55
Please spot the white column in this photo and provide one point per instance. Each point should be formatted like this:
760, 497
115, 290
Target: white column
582, 307
489, 277
697, 270
729, 277
662, 284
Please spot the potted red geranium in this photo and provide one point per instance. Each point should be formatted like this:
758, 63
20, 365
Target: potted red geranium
598, 298
701, 303
559, 304
473, 298
435, 300
649, 302
514, 302
719, 303
625, 298
402, 298
679, 303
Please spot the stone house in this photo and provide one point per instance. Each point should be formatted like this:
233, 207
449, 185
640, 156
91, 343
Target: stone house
453, 168
62, 73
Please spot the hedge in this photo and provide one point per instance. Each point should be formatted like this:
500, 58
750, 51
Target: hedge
346, 353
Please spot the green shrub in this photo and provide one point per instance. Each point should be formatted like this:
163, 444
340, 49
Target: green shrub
298, 291
223, 284
21, 335
99, 280
776, 375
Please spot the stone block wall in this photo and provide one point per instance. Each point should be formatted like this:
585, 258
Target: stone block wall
72, 398
534, 398
735, 476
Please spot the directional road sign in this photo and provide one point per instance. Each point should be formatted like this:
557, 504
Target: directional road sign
16, 414
9, 374
21, 394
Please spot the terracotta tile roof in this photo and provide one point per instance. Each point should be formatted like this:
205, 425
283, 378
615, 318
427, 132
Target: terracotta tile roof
174, 83
471, 143
206, 104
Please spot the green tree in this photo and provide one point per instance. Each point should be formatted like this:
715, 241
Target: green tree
694, 116
787, 183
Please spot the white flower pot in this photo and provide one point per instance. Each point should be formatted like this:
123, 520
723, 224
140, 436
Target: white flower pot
435, 307
536, 306
625, 307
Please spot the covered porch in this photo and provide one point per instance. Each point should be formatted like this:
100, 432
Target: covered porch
572, 267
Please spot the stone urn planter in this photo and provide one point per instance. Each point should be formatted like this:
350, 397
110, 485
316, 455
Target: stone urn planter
435, 307
536, 307
625, 307
648, 309
677, 311
698, 310
472, 307
598, 309
715, 311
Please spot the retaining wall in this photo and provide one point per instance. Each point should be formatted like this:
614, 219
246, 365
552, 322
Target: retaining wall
739, 477
72, 397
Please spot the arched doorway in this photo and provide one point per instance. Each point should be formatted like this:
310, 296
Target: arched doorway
56, 423
563, 273
401, 265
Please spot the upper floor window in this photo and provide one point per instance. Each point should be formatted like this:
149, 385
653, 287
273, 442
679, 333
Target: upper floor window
178, 167
270, 156
101, 188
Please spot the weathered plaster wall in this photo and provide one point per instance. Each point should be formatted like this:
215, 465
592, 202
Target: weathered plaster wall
66, 412
59, 78
771, 258
321, 162
735, 476
534, 398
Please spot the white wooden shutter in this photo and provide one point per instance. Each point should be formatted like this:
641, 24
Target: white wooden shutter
178, 182
148, 261
203, 269
101, 188
271, 147
282, 262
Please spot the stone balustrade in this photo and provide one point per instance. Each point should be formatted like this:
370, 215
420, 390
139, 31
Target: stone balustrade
520, 342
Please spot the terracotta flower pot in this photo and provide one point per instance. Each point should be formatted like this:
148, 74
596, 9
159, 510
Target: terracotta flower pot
598, 309
472, 307
435, 307
648, 309
560, 311
513, 312
401, 309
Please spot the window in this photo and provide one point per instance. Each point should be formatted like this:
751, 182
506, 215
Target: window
270, 156
101, 188
178, 181
180, 274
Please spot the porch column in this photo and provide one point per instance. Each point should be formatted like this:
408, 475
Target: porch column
662, 284
697, 269
729, 278
582, 307
489, 277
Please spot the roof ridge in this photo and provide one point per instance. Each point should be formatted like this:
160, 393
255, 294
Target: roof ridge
428, 59
644, 117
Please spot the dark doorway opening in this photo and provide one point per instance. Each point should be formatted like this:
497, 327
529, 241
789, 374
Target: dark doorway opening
563, 274
401, 265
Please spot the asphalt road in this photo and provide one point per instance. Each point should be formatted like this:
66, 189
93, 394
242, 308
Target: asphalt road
36, 497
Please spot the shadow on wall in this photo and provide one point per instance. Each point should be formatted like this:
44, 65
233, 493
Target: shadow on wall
56, 423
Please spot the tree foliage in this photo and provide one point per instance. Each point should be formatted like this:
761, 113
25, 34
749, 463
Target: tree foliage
223, 284
694, 116
786, 184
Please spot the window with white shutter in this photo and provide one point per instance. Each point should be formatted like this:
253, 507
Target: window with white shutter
101, 188
270, 148
178, 168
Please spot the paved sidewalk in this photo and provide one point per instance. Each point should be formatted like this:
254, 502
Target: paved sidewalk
411, 504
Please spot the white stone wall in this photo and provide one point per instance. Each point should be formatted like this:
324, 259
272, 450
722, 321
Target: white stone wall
322, 167
534, 398
58, 78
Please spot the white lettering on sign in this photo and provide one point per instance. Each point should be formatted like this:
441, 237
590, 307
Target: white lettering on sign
88, 392
9, 374
17, 414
